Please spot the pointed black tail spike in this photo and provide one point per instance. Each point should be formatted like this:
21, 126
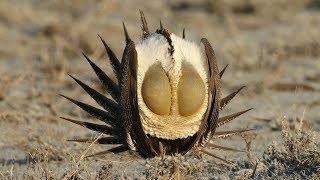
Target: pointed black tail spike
110, 140
103, 101
161, 27
223, 70
94, 127
102, 140
226, 134
87, 140
111, 86
223, 120
184, 33
97, 113
214, 146
224, 101
145, 30
126, 34
217, 157
115, 150
115, 63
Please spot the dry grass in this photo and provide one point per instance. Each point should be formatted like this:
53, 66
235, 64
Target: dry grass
271, 46
297, 155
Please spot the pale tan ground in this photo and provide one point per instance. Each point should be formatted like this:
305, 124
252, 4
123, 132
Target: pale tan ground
270, 47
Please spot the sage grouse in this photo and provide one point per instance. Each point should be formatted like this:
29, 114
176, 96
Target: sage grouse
166, 99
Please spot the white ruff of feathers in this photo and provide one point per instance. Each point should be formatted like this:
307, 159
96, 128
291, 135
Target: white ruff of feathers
154, 49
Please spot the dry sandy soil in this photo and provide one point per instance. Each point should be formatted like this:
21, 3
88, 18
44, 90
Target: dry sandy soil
272, 47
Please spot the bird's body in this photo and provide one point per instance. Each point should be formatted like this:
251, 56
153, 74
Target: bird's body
167, 99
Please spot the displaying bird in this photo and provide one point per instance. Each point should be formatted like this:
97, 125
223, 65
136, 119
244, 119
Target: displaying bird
166, 100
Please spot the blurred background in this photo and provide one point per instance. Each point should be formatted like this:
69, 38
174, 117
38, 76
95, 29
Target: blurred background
272, 47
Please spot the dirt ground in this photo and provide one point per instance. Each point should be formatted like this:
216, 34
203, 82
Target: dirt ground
272, 47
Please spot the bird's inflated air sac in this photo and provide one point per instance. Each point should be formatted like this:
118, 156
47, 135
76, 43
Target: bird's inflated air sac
156, 90
191, 91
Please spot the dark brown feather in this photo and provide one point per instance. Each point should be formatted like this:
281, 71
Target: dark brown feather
103, 101
126, 33
95, 127
224, 101
117, 149
145, 30
161, 27
208, 125
116, 66
184, 33
226, 119
214, 146
223, 70
102, 140
214, 81
97, 113
226, 134
111, 86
